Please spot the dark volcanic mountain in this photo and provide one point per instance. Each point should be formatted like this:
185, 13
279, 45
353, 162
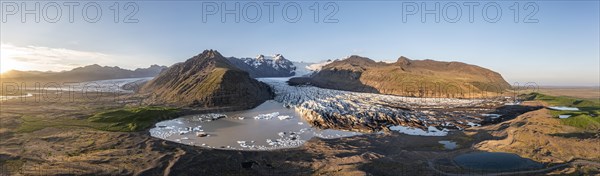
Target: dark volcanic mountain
86, 73
265, 66
207, 80
405, 77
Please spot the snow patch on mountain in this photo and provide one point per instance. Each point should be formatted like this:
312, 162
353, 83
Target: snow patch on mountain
318, 66
277, 61
265, 66
302, 68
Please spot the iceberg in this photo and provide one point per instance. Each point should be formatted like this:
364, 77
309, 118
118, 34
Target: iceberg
267, 116
284, 117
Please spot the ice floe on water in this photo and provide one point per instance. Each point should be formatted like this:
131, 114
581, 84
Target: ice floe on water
267, 116
431, 131
272, 115
493, 116
471, 124
563, 108
208, 117
284, 117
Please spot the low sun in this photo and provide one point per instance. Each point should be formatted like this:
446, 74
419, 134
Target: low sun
7, 64
7, 61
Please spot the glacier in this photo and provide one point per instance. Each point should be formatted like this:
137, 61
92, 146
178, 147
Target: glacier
369, 112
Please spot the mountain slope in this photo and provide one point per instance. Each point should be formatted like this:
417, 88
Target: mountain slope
265, 66
207, 80
405, 77
86, 73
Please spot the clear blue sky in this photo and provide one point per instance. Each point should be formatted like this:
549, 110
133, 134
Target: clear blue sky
561, 49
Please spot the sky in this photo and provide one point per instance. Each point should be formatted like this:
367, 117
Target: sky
548, 42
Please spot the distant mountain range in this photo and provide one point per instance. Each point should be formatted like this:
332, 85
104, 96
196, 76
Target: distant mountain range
207, 80
265, 66
86, 73
406, 77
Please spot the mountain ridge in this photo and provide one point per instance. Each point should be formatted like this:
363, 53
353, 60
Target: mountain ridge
85, 73
206, 80
265, 66
406, 77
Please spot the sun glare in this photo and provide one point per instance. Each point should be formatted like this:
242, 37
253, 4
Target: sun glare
7, 64
7, 61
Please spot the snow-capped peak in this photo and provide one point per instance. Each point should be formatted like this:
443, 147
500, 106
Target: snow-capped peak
277, 62
260, 57
278, 57
275, 57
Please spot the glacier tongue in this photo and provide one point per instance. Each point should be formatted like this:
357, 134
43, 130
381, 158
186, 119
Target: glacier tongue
367, 112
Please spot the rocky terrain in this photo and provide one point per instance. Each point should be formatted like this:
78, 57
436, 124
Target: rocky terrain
540, 136
60, 138
86, 73
265, 66
50, 139
206, 80
405, 77
79, 150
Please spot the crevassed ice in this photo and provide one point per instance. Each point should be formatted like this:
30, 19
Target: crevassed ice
360, 105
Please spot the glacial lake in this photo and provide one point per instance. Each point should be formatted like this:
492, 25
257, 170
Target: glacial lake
496, 162
268, 126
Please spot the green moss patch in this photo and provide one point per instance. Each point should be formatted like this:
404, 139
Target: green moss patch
124, 120
587, 117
